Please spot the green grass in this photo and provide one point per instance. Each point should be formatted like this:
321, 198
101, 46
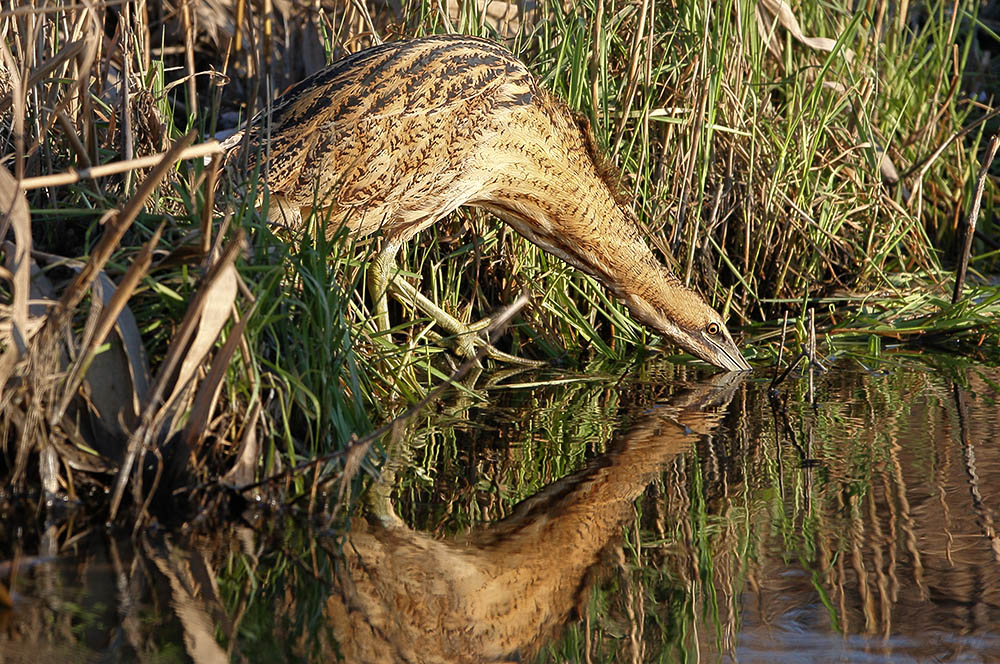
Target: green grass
755, 172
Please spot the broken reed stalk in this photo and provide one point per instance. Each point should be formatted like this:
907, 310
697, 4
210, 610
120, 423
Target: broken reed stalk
135, 273
189, 30
140, 437
206, 149
39, 73
60, 8
128, 140
70, 132
15, 214
206, 212
969, 228
595, 62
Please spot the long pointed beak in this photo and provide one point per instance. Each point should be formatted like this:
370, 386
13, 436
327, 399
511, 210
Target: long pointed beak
724, 353
732, 359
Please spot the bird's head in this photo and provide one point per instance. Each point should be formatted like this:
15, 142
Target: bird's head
711, 342
684, 318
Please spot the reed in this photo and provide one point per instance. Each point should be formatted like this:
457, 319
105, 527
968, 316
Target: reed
819, 161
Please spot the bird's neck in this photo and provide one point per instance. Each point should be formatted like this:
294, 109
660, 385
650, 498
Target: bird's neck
575, 215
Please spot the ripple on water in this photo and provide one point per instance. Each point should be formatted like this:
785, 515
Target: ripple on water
748, 529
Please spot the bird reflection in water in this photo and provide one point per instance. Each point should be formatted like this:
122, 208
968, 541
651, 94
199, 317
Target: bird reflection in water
501, 592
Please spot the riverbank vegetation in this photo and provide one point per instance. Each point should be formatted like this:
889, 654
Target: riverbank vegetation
818, 165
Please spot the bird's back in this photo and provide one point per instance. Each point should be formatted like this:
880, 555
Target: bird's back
393, 136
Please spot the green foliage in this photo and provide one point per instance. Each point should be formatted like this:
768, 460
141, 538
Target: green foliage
759, 164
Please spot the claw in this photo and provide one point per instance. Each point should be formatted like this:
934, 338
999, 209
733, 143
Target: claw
465, 338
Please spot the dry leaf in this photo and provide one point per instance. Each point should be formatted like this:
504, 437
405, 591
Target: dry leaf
14, 211
216, 307
114, 399
242, 472
781, 11
192, 341
208, 390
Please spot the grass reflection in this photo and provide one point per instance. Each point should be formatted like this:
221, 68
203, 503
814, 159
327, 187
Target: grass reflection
578, 522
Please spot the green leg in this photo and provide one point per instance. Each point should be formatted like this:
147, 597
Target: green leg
383, 280
381, 272
379, 496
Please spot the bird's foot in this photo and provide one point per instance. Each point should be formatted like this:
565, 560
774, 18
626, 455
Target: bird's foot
467, 345
465, 339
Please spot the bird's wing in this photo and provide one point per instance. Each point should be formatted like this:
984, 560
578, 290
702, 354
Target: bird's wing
385, 121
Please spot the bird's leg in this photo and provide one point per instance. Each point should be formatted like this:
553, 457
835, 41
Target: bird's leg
381, 272
283, 214
398, 455
466, 337
379, 496
383, 280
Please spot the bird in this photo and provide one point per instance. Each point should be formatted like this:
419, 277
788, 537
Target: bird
395, 137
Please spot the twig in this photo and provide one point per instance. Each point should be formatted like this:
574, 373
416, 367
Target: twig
922, 165
781, 350
788, 370
812, 355
206, 149
969, 228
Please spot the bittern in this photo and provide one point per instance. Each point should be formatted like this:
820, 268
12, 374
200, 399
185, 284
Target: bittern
395, 137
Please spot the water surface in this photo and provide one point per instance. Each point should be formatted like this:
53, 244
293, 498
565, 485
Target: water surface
649, 513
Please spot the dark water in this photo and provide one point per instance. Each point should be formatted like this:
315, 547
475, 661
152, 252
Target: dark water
653, 514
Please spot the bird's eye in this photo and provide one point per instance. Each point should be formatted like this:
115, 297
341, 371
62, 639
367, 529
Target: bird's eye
713, 329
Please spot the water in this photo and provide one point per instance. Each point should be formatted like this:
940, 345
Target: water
650, 514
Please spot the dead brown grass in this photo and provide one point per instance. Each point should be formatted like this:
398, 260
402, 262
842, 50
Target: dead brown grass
779, 156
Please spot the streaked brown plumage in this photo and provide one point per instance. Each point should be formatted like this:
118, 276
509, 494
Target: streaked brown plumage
396, 137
